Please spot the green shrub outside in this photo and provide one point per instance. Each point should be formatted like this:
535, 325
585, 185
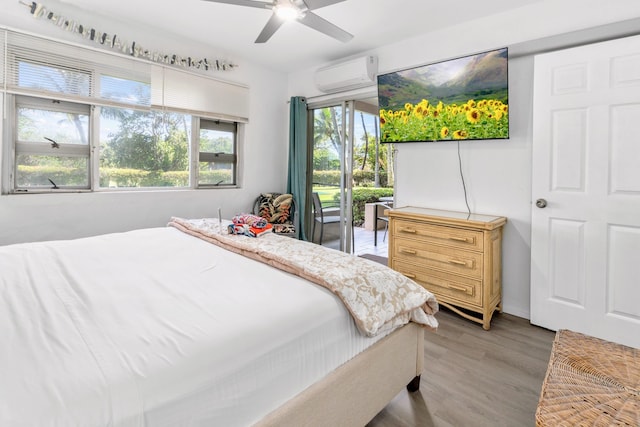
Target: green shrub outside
360, 178
110, 177
140, 178
61, 175
364, 195
215, 176
328, 178
132, 178
367, 178
117, 177
363, 191
361, 196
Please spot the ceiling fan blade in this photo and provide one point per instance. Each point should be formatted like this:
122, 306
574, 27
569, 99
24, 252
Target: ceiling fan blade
317, 4
312, 20
272, 25
249, 3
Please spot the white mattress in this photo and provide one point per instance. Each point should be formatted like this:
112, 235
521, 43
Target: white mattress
158, 328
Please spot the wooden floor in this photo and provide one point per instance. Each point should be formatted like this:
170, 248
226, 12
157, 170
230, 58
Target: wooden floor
475, 377
472, 377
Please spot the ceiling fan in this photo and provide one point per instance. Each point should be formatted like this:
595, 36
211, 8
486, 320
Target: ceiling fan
299, 10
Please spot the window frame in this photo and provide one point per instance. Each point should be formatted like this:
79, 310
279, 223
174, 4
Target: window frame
45, 148
97, 155
171, 90
92, 149
218, 157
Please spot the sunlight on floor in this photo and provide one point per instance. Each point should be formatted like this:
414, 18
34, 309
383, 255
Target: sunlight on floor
363, 243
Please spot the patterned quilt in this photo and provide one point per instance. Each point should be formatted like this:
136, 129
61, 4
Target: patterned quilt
378, 298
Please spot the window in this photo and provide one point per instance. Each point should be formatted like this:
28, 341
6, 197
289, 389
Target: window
143, 148
137, 148
83, 120
217, 156
52, 145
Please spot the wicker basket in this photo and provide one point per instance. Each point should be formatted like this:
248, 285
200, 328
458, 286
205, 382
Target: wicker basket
590, 382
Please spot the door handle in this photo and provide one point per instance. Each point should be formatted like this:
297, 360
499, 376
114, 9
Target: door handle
541, 203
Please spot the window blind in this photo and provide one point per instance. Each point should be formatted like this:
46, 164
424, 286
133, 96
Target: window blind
3, 37
42, 67
199, 95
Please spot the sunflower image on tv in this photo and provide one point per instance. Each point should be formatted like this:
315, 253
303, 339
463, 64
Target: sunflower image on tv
461, 99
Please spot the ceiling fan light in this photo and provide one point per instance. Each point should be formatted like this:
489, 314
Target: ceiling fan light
286, 11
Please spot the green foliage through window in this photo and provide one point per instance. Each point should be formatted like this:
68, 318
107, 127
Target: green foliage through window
153, 144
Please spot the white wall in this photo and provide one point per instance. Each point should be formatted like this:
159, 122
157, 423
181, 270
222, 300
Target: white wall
497, 173
33, 217
498, 180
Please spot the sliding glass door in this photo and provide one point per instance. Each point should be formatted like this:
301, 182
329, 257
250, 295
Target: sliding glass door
345, 138
332, 169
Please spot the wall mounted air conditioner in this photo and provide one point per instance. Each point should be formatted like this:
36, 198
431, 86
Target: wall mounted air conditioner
346, 75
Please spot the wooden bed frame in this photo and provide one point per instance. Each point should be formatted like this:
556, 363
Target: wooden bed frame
355, 392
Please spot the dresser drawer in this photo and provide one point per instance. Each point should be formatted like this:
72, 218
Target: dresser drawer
455, 255
445, 286
437, 234
453, 260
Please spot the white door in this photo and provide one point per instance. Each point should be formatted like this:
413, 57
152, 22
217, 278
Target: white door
585, 244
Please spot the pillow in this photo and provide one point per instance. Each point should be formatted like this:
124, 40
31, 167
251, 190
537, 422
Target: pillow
276, 208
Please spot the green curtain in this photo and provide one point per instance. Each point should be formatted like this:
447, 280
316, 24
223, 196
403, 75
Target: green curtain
297, 176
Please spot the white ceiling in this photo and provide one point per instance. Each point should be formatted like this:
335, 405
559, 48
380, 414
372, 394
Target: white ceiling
294, 46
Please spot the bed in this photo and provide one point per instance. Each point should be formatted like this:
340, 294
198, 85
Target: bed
185, 325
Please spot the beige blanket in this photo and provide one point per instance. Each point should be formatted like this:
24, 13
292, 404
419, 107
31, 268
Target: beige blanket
377, 297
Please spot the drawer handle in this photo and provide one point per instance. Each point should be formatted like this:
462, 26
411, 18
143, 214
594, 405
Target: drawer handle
459, 288
410, 275
461, 239
408, 251
457, 262
408, 230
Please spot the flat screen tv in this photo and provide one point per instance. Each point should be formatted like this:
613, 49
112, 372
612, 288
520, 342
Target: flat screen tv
465, 98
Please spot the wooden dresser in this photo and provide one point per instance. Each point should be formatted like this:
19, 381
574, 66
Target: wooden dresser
455, 255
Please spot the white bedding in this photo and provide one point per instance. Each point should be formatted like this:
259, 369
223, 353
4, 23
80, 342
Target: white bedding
158, 328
